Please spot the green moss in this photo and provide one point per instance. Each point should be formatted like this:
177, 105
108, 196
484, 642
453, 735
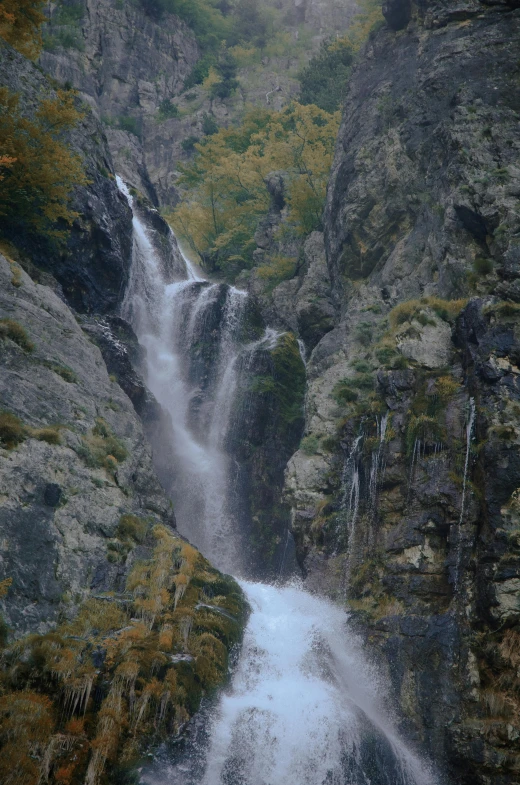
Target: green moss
101, 448
424, 428
50, 435
64, 371
447, 310
343, 394
505, 309
263, 385
482, 265
310, 444
361, 365
11, 329
364, 333
131, 527
290, 379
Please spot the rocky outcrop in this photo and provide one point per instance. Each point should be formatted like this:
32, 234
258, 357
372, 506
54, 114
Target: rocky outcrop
404, 489
90, 563
129, 64
125, 63
73, 463
93, 265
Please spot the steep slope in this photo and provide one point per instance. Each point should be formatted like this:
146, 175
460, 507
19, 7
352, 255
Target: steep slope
404, 491
129, 65
92, 265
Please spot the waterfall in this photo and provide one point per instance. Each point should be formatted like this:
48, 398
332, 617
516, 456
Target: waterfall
469, 435
350, 498
169, 318
303, 707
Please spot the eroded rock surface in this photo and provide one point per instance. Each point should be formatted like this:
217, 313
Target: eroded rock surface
404, 491
63, 491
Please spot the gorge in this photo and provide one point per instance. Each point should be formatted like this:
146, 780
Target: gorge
319, 397
304, 706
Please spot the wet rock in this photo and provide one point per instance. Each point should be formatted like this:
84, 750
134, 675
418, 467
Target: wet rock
397, 13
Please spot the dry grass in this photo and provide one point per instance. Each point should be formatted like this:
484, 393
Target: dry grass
11, 329
447, 310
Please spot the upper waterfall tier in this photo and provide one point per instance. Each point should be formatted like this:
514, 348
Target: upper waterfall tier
207, 356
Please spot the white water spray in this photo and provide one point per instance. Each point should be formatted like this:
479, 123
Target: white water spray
304, 707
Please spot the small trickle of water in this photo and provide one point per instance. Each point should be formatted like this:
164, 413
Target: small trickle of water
377, 454
470, 425
350, 483
303, 351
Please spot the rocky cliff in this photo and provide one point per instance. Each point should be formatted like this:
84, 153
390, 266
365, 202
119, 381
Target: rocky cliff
111, 632
93, 263
128, 64
404, 490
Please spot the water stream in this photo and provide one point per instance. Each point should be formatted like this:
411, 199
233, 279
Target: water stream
304, 706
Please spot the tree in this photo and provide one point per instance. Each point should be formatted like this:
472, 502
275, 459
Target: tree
37, 169
20, 22
323, 80
226, 191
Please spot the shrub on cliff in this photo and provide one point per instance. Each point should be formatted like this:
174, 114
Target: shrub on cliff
20, 22
88, 697
37, 169
324, 79
228, 194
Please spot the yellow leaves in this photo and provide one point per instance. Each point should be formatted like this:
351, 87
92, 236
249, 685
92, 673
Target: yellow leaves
6, 162
105, 645
369, 16
20, 22
228, 195
37, 170
212, 78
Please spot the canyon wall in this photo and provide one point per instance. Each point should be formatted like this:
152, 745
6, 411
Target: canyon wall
404, 491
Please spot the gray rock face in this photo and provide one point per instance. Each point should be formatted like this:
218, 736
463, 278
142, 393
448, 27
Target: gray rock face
404, 497
407, 206
397, 13
93, 268
126, 65
62, 492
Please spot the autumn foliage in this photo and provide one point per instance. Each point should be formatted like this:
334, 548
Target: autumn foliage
88, 696
20, 22
37, 169
227, 193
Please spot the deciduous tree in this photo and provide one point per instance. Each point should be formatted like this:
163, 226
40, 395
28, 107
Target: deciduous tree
20, 22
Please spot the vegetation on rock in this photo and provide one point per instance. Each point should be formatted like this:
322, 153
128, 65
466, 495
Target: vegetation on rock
38, 171
20, 22
79, 701
227, 191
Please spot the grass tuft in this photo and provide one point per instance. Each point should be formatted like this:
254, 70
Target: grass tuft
11, 329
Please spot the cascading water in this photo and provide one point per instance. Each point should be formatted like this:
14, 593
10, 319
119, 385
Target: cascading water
350, 497
303, 706
470, 425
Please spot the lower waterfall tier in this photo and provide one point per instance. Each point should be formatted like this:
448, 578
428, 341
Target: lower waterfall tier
304, 707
